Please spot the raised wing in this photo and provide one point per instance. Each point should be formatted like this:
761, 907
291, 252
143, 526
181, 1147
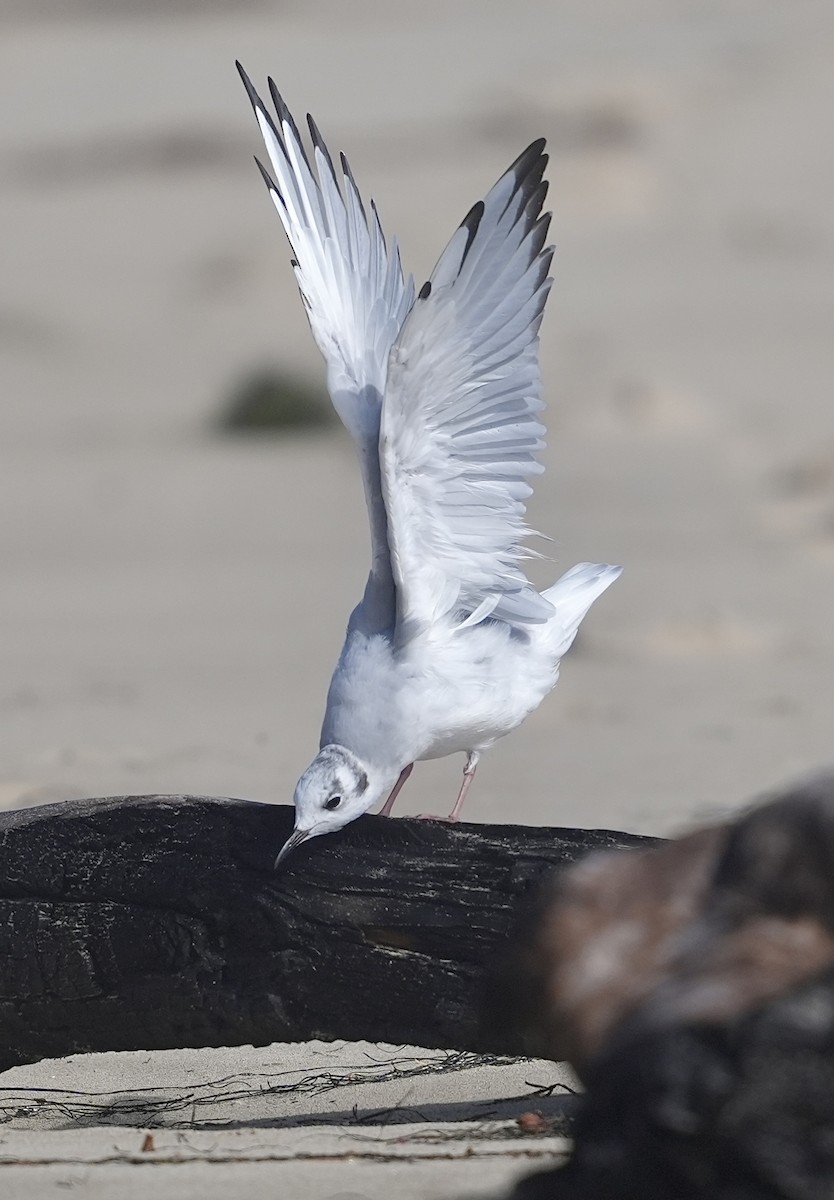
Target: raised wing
352, 285
459, 432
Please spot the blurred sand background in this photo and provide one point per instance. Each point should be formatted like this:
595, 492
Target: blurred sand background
172, 601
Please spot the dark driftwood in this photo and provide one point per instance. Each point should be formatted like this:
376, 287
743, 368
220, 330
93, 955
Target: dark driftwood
153, 922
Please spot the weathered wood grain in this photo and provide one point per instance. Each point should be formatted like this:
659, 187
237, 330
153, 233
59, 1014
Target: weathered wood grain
158, 921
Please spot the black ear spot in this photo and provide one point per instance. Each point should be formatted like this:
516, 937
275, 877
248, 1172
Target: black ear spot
361, 782
333, 802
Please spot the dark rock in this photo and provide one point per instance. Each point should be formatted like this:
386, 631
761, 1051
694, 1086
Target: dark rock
741, 1109
693, 986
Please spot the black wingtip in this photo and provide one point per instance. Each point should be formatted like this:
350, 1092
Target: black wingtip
528, 170
380, 230
533, 198
470, 223
349, 175
528, 157
538, 235
286, 117
277, 98
258, 104
250, 87
266, 177
283, 112
318, 143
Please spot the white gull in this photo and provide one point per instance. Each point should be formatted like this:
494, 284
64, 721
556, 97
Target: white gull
450, 647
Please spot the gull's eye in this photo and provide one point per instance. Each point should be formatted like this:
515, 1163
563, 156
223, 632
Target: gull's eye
333, 802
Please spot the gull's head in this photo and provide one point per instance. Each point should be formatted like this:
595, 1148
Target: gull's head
335, 789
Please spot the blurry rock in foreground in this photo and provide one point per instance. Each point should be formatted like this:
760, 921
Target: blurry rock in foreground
272, 402
692, 987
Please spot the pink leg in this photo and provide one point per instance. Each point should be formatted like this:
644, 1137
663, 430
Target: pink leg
385, 811
468, 775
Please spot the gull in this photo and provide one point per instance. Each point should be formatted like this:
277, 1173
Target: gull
451, 646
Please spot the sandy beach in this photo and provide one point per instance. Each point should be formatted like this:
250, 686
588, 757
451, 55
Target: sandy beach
172, 600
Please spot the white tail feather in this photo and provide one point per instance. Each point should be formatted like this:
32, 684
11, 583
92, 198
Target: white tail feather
572, 596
